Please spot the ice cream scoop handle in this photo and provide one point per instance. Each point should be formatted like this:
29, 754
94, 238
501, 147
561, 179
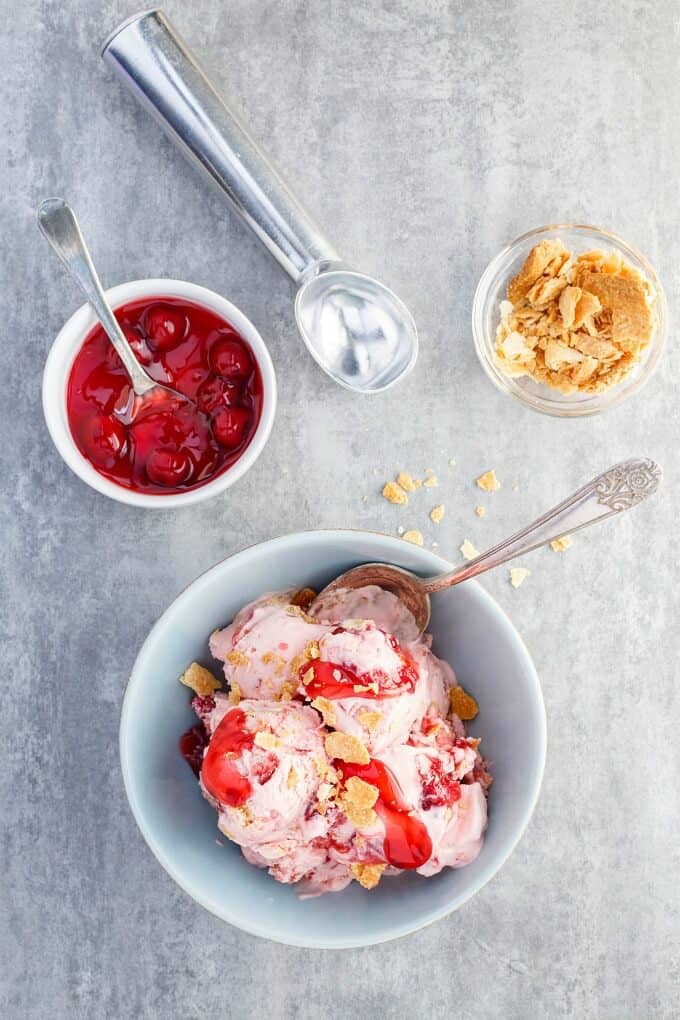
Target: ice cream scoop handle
156, 65
622, 487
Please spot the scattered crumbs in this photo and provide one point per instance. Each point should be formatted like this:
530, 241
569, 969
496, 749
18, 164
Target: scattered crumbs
414, 536
488, 481
429, 471
431, 481
394, 493
518, 575
468, 550
452, 462
401, 529
480, 511
437, 513
364, 499
408, 482
560, 544
515, 488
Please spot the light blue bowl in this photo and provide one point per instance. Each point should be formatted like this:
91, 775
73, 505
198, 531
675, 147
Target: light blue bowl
470, 631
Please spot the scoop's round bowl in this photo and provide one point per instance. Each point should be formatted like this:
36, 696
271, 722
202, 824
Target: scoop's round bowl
470, 631
357, 330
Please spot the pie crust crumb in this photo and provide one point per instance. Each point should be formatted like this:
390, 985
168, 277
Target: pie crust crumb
200, 679
561, 544
408, 482
266, 740
488, 481
518, 575
347, 748
463, 704
437, 513
468, 550
367, 875
394, 493
414, 536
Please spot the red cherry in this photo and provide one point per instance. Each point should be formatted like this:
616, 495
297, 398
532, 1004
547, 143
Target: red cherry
104, 439
138, 345
230, 425
168, 468
229, 358
165, 326
216, 393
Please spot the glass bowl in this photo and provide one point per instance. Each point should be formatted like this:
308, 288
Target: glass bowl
491, 290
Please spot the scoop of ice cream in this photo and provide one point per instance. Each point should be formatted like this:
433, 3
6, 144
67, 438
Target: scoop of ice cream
262, 770
414, 806
370, 776
365, 684
367, 603
263, 647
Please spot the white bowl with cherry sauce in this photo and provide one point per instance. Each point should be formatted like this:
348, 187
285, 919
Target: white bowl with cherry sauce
63, 361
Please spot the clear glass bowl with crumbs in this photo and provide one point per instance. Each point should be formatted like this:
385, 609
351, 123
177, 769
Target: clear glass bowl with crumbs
562, 376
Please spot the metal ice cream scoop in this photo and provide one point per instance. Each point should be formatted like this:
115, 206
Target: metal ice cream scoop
355, 328
621, 487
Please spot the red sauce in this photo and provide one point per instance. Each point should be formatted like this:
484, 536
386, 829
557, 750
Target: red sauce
170, 446
220, 776
331, 680
407, 843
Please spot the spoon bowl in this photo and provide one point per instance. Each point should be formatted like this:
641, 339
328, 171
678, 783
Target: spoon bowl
356, 329
620, 488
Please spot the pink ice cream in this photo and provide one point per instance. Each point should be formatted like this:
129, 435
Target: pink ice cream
334, 757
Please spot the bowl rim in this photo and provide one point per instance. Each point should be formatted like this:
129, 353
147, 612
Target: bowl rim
558, 407
62, 355
430, 561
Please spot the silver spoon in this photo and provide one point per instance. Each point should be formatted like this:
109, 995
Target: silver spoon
621, 487
58, 223
355, 328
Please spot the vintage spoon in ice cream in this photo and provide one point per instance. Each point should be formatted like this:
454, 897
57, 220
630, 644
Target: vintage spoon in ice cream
356, 329
58, 223
621, 487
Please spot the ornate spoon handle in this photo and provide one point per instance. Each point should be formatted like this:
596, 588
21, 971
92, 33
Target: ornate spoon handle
621, 487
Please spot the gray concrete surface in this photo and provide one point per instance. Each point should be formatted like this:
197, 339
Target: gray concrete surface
423, 135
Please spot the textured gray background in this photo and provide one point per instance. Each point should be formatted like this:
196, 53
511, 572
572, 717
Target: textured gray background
423, 135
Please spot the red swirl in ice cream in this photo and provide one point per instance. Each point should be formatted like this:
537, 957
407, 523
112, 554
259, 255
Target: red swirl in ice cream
407, 843
334, 756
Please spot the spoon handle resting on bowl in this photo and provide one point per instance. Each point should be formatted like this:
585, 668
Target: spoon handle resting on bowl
153, 61
59, 225
620, 488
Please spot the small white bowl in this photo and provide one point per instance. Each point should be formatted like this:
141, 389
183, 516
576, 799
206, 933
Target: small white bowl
58, 368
